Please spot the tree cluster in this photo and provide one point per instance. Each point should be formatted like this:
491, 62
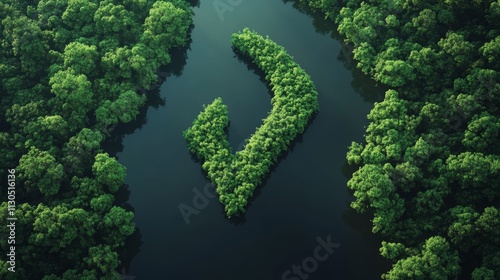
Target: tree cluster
429, 166
70, 71
295, 100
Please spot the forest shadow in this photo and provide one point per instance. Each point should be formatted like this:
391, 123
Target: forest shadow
370, 90
361, 223
194, 3
114, 143
320, 23
4, 125
134, 241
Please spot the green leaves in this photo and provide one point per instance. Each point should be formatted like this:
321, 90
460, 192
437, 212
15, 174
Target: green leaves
456, 46
40, 169
81, 58
108, 172
70, 71
56, 228
113, 20
73, 97
436, 261
116, 225
80, 150
432, 146
373, 188
124, 109
102, 258
166, 27
80, 15
295, 100
166, 24
482, 132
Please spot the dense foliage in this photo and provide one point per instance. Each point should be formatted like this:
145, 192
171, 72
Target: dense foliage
430, 167
69, 73
295, 100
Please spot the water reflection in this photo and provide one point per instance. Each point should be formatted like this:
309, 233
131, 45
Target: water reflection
114, 143
371, 92
304, 199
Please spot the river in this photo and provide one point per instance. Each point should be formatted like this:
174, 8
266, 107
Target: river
304, 200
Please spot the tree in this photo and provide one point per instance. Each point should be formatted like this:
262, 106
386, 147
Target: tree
39, 169
46, 133
116, 226
115, 21
27, 41
425, 25
73, 97
394, 73
49, 13
19, 116
57, 228
489, 226
85, 190
483, 273
295, 100
436, 260
80, 150
79, 15
457, 48
373, 188
165, 27
81, 58
104, 260
108, 172
462, 231
491, 51
474, 173
60, 61
102, 204
481, 133
433, 142
124, 109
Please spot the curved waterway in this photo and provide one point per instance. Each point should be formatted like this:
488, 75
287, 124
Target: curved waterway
304, 200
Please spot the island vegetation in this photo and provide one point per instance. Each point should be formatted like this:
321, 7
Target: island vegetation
70, 71
295, 100
429, 168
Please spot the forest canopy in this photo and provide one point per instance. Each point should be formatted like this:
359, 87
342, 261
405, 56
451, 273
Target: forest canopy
295, 100
429, 168
70, 71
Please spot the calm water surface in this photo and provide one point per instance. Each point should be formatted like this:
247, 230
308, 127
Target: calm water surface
304, 198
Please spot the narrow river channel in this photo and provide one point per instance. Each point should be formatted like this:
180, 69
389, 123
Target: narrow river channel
305, 198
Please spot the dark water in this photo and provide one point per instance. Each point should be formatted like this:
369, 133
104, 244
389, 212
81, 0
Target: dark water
305, 197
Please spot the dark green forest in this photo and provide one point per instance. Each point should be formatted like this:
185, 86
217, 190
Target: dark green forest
294, 101
427, 172
429, 168
71, 70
